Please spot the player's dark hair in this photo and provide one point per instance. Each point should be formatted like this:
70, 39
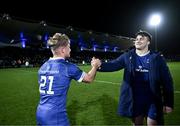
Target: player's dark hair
144, 33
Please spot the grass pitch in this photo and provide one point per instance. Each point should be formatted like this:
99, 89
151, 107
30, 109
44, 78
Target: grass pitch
88, 104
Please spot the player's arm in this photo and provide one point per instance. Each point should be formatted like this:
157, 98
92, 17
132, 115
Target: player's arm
89, 77
114, 65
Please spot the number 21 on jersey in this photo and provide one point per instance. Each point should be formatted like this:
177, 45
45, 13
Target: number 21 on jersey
43, 82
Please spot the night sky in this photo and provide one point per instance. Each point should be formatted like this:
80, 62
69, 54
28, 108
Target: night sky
116, 17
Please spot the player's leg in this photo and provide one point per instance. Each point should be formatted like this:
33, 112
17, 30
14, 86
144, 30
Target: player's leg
152, 115
151, 122
138, 120
139, 110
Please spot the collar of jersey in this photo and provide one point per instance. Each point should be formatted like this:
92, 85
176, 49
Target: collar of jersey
56, 58
143, 54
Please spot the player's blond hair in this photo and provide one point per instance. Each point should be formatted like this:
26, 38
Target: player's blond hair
58, 40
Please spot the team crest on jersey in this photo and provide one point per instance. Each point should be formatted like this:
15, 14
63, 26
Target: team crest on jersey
140, 69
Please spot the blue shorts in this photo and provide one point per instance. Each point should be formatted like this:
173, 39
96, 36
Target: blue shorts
49, 114
149, 110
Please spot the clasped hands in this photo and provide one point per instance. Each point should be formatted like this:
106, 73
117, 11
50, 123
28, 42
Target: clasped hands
95, 62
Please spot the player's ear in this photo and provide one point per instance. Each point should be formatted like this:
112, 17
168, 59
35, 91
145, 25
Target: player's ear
63, 49
60, 50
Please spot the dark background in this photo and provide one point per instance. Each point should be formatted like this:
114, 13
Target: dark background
115, 17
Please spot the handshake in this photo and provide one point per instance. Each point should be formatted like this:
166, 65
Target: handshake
95, 62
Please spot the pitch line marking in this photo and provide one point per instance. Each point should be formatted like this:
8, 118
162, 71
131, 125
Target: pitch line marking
99, 81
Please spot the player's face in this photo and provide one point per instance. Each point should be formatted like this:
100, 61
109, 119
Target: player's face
141, 42
67, 51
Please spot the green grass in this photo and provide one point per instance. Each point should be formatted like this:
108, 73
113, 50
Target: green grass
88, 104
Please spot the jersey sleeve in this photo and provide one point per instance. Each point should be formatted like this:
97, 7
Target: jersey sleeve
75, 73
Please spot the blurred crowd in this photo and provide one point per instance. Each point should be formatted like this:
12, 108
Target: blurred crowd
33, 57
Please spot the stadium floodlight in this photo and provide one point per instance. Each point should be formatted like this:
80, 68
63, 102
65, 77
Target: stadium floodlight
154, 21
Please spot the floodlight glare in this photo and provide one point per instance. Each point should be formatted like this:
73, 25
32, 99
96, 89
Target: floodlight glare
155, 20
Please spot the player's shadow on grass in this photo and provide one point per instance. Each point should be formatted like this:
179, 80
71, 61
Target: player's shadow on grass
72, 111
109, 110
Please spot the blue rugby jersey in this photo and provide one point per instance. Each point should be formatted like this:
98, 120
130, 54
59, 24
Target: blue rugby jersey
54, 79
